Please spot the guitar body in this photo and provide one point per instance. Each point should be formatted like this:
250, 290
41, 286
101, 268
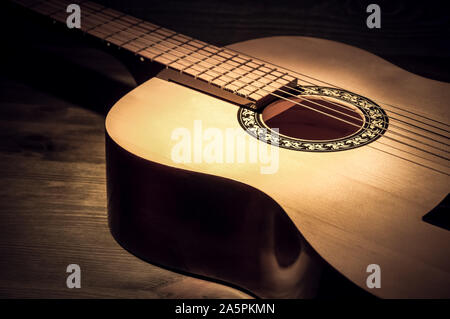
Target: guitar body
270, 234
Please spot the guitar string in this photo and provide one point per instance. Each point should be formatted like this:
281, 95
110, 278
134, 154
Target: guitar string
391, 117
303, 80
335, 86
130, 27
407, 159
99, 8
399, 127
187, 56
127, 26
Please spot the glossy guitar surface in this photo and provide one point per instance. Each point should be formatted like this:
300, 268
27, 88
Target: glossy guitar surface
271, 233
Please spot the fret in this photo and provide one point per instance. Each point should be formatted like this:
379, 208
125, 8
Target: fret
235, 75
132, 30
99, 17
137, 31
226, 54
113, 13
205, 76
118, 39
181, 57
231, 86
267, 82
149, 26
108, 28
134, 46
220, 67
179, 65
125, 37
194, 70
186, 67
156, 44
165, 59
131, 20
218, 82
93, 19
196, 54
148, 35
178, 54
114, 29
212, 49
151, 53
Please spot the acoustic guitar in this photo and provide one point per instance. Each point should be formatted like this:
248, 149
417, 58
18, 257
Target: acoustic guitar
260, 163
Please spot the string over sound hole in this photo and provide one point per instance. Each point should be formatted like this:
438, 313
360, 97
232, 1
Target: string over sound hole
318, 119
313, 118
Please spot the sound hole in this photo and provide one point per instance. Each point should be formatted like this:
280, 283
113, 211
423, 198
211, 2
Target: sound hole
303, 122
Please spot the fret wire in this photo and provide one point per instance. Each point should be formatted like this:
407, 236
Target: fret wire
120, 30
237, 67
180, 45
208, 69
139, 23
249, 72
222, 59
93, 15
126, 30
141, 36
245, 83
186, 57
224, 62
224, 74
116, 18
274, 81
177, 34
211, 68
238, 79
129, 27
182, 58
260, 77
213, 65
103, 24
155, 43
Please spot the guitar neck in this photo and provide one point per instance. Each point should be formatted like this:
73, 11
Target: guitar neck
220, 71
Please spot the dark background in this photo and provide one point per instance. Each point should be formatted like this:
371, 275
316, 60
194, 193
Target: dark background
55, 91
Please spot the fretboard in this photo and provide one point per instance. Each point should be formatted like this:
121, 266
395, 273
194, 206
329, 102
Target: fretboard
228, 70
